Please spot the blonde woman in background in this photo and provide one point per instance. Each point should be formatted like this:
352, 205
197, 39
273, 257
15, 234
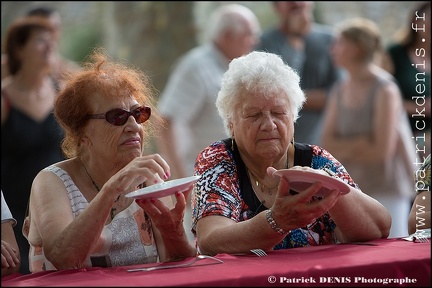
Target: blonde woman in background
408, 60
365, 124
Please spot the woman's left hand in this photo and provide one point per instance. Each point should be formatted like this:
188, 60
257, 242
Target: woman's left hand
294, 211
173, 243
166, 220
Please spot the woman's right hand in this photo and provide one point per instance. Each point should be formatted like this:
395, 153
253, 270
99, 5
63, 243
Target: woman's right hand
150, 169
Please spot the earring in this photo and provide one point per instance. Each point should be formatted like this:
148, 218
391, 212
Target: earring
232, 144
292, 141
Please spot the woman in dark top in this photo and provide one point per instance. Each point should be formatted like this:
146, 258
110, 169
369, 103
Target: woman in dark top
30, 135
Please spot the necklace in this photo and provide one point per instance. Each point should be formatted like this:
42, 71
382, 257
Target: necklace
263, 188
97, 188
268, 190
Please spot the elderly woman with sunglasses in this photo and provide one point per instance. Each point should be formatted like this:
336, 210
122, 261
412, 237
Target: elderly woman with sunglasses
240, 204
78, 213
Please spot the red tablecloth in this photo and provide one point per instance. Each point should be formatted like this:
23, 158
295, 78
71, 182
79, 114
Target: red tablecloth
393, 262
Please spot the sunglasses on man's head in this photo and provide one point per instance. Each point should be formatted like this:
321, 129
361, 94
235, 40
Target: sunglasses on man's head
119, 117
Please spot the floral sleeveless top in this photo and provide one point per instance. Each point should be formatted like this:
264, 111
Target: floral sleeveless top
128, 238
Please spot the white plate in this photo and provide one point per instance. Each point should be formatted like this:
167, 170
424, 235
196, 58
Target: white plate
302, 179
164, 189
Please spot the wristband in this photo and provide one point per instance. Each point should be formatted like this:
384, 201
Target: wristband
273, 224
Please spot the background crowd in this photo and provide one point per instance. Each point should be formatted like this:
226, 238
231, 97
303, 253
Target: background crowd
347, 70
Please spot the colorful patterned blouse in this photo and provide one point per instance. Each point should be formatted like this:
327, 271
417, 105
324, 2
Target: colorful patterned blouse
218, 192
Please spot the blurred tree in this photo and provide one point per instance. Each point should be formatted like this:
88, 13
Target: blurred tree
150, 35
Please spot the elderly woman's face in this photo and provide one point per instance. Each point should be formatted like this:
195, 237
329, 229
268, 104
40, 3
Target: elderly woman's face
262, 127
117, 144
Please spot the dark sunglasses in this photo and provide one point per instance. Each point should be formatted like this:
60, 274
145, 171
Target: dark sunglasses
118, 117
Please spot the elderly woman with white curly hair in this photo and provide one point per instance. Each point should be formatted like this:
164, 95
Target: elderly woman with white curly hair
240, 204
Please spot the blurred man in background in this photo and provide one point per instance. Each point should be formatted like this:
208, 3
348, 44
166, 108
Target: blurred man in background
304, 45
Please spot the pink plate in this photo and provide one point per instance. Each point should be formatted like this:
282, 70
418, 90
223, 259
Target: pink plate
164, 189
302, 179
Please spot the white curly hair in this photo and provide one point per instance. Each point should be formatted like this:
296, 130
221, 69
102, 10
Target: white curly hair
258, 72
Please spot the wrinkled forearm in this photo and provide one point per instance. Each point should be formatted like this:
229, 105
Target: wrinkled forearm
73, 246
176, 247
217, 234
359, 217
